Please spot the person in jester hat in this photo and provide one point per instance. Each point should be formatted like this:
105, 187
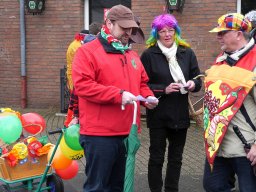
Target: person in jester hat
230, 102
106, 75
251, 16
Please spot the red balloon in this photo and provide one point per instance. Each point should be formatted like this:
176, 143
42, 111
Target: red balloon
70, 172
33, 123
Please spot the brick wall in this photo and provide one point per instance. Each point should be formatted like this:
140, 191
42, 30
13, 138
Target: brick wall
9, 42
48, 36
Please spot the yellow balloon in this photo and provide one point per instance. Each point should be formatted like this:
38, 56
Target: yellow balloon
70, 153
9, 111
22, 150
3, 114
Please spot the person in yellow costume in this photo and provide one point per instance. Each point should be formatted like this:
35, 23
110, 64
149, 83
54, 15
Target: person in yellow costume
81, 38
94, 28
74, 45
72, 48
230, 102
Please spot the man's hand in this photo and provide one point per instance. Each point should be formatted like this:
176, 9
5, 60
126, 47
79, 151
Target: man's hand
128, 98
152, 102
210, 142
73, 121
252, 155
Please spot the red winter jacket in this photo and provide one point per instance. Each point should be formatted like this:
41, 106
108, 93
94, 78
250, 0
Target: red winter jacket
99, 73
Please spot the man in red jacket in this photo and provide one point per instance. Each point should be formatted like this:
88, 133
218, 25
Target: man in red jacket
107, 75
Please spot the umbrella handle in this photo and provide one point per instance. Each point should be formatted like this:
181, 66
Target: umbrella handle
134, 112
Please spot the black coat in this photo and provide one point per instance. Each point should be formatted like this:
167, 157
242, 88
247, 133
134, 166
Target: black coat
172, 110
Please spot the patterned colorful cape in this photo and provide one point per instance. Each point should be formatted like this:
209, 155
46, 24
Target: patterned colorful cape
225, 90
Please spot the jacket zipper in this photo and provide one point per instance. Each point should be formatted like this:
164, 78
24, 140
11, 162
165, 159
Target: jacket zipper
123, 63
127, 68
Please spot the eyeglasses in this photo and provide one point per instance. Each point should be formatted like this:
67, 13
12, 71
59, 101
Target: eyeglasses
164, 32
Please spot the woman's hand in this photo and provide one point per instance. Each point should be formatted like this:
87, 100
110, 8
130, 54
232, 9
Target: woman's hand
190, 85
173, 87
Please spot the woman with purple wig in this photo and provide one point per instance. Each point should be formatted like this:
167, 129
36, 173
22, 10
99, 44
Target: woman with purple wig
171, 66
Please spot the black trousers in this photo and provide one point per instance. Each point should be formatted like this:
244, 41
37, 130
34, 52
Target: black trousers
176, 140
105, 163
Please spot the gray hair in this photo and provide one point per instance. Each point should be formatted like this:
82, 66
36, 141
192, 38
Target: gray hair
246, 35
251, 16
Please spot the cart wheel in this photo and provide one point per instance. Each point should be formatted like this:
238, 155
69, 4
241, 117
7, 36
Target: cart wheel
4, 188
55, 182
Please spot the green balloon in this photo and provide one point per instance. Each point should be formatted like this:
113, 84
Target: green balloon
10, 129
71, 137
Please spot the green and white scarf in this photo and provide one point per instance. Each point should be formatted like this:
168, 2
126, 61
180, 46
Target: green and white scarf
105, 33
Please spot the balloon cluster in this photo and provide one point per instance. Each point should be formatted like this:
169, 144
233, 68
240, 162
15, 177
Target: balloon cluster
12, 124
64, 160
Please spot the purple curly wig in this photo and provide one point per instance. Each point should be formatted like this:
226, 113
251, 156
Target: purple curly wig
161, 21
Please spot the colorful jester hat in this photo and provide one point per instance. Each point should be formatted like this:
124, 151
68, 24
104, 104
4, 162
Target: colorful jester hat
234, 22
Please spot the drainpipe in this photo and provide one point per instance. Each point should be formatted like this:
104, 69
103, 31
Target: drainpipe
86, 14
23, 55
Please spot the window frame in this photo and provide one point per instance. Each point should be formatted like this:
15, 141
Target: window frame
86, 14
238, 6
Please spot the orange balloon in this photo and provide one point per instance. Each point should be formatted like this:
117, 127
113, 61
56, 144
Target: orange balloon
59, 160
70, 172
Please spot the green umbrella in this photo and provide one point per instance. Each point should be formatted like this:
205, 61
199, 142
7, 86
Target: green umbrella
132, 144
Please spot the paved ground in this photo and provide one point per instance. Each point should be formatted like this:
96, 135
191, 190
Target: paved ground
193, 158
